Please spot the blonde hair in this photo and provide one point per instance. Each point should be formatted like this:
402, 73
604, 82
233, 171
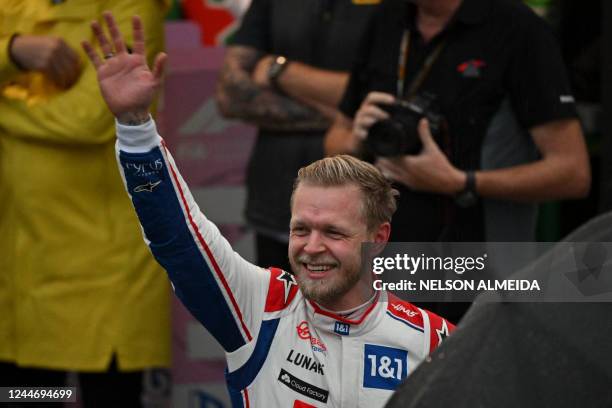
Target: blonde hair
378, 196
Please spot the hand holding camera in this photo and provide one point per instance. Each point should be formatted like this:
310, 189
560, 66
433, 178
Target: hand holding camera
371, 111
430, 170
399, 133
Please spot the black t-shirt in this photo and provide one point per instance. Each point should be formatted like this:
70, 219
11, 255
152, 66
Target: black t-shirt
321, 33
491, 50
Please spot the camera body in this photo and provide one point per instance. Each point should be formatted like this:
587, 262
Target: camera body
398, 135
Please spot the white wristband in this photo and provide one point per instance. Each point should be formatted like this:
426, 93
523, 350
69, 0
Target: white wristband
138, 138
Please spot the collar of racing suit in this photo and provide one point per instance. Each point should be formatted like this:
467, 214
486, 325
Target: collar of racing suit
354, 313
358, 322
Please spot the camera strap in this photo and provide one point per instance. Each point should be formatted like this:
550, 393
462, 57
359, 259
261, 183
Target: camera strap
423, 72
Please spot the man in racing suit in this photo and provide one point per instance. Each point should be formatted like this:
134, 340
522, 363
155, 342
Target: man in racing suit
322, 339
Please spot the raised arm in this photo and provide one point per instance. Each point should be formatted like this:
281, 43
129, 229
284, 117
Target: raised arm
221, 290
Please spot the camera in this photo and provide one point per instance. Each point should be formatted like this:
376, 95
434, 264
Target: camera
398, 135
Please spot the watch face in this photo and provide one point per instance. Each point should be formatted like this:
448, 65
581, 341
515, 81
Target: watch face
276, 68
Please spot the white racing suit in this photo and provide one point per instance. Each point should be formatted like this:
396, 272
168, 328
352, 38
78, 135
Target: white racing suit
282, 350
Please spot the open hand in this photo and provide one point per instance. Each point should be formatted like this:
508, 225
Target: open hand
49, 55
127, 84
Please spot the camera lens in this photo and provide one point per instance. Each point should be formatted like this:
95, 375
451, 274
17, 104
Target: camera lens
385, 138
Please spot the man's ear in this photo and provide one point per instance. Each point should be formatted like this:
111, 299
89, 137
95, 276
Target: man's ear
382, 232
380, 237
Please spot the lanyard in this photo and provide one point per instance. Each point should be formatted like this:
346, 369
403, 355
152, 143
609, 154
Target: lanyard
423, 72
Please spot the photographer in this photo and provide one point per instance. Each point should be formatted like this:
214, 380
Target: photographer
461, 62
483, 52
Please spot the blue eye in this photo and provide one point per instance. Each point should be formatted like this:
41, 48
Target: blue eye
335, 234
299, 231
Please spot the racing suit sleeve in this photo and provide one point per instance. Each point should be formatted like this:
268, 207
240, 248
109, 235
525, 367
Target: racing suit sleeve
439, 330
221, 289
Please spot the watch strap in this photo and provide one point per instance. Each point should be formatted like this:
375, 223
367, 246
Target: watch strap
470, 182
468, 196
279, 64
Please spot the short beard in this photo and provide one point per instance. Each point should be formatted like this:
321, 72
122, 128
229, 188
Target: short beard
320, 291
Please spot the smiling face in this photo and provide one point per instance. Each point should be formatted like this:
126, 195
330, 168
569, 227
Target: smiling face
327, 228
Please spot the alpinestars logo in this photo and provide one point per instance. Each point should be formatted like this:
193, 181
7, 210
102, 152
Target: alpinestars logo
147, 187
442, 332
288, 280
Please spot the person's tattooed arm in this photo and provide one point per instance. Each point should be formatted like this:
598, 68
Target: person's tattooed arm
239, 97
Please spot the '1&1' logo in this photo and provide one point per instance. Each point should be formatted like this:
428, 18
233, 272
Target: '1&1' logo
342, 328
384, 367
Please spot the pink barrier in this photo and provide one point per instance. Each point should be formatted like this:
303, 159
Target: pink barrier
212, 154
210, 149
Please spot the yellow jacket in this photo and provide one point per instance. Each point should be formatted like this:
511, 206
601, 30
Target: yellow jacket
77, 282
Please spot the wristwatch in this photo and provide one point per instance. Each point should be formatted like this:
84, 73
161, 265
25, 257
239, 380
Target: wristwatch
276, 69
468, 196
